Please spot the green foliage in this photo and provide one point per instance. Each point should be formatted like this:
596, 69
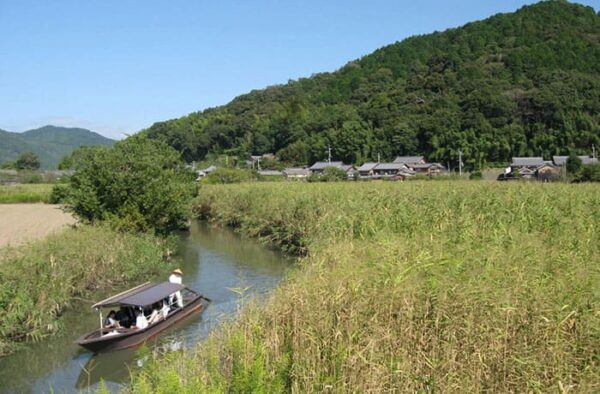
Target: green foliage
476, 175
330, 174
9, 165
27, 161
590, 173
229, 175
138, 185
59, 194
49, 143
39, 280
78, 157
520, 84
574, 165
410, 287
25, 193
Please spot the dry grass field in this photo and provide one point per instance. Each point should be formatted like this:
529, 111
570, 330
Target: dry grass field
20, 223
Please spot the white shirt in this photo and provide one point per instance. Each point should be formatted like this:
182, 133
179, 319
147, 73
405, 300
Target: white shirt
141, 321
174, 278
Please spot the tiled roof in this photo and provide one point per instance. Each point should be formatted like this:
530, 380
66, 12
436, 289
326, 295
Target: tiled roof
409, 159
367, 167
527, 161
389, 166
320, 165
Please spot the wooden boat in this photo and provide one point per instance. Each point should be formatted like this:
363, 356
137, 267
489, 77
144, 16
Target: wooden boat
141, 297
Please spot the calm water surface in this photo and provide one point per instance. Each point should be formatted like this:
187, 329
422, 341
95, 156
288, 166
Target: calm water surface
217, 263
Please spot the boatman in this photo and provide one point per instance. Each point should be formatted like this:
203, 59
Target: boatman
176, 277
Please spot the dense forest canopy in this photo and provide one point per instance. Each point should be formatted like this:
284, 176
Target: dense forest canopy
524, 83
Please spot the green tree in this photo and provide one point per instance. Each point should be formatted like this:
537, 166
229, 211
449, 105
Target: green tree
137, 185
27, 161
573, 165
78, 157
9, 165
590, 173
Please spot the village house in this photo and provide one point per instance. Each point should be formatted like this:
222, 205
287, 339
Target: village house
533, 168
388, 170
320, 166
410, 160
366, 170
532, 163
429, 169
296, 173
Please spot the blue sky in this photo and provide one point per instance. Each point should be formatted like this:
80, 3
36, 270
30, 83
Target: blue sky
118, 66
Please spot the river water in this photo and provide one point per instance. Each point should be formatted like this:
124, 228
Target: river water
216, 262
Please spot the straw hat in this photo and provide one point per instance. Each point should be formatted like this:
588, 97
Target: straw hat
178, 271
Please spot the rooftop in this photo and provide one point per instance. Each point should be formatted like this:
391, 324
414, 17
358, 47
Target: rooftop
528, 161
409, 159
320, 165
142, 295
389, 166
367, 167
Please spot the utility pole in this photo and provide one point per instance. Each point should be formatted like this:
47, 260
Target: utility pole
329, 154
593, 151
378, 157
460, 163
258, 163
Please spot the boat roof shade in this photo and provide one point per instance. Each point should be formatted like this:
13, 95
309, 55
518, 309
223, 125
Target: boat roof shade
143, 295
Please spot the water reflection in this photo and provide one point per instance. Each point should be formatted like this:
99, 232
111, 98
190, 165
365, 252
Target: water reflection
214, 261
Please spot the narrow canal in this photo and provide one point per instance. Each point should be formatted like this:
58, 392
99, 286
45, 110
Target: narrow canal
216, 262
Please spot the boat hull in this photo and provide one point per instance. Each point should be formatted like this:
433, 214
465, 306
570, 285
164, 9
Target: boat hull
130, 338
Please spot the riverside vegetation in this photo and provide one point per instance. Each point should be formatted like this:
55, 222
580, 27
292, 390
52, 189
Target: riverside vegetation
38, 281
414, 287
128, 198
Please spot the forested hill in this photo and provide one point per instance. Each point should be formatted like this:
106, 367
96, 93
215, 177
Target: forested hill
49, 143
523, 83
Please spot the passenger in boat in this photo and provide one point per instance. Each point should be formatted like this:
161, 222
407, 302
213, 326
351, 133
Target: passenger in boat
176, 277
156, 314
111, 320
125, 317
140, 320
165, 308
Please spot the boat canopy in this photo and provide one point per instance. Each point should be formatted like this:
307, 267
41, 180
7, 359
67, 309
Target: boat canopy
142, 295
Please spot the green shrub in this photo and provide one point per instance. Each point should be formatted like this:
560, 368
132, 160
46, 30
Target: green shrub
59, 194
223, 175
137, 185
590, 173
330, 174
475, 175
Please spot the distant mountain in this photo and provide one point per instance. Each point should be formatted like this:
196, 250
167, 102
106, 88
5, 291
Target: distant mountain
50, 143
515, 84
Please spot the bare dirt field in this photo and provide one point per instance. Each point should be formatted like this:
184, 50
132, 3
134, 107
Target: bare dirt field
25, 222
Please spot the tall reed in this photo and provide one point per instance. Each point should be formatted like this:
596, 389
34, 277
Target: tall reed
39, 280
414, 287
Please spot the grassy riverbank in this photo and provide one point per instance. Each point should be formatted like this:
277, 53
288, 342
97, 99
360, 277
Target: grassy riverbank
39, 280
413, 287
25, 193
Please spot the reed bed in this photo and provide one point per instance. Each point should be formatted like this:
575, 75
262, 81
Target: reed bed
413, 287
25, 193
39, 280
